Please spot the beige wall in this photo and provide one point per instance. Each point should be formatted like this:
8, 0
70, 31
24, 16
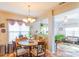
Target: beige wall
3, 36
3, 19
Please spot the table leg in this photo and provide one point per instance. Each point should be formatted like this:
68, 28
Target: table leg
30, 55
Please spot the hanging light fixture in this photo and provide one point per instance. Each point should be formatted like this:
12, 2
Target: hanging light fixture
25, 20
29, 18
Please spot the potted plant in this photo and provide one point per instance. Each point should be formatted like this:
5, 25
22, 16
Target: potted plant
59, 37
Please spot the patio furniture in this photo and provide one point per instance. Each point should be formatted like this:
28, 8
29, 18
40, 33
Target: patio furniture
2, 50
19, 50
9, 48
28, 44
39, 50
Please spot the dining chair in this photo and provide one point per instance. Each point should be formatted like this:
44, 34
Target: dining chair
24, 38
17, 40
39, 50
19, 50
2, 50
9, 48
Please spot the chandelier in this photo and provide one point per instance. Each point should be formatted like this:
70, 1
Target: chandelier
29, 18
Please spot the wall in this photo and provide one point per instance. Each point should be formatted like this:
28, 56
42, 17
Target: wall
3, 19
3, 36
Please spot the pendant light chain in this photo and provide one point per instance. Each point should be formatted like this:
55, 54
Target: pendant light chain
28, 10
29, 18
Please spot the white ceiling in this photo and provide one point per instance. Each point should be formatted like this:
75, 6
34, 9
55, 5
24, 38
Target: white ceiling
37, 8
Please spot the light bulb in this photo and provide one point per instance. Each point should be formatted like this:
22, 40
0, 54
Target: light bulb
29, 19
25, 20
33, 20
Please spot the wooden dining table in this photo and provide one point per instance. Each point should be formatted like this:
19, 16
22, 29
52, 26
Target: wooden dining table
28, 43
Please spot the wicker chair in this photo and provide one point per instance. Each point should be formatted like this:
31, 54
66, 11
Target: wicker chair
2, 50
39, 50
20, 51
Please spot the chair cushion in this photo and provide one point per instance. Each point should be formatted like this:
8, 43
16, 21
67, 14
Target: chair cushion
34, 52
21, 51
40, 54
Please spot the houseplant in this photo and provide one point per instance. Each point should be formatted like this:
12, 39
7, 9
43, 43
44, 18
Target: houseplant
59, 37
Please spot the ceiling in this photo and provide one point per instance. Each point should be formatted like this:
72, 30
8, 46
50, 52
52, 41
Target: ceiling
36, 9
71, 16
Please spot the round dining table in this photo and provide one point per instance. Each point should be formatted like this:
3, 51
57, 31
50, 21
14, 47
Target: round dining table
28, 43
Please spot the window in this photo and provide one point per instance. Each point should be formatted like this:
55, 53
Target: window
44, 29
72, 31
16, 29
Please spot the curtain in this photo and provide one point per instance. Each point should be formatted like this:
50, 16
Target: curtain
16, 28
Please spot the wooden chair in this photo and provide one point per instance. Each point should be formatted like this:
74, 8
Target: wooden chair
2, 50
20, 51
39, 50
9, 48
24, 38
14, 45
17, 40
